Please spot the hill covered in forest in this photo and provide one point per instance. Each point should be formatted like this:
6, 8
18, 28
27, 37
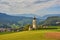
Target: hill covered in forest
22, 20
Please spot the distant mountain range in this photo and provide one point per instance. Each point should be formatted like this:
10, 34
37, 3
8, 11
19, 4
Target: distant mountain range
22, 19
50, 15
39, 17
27, 15
8, 19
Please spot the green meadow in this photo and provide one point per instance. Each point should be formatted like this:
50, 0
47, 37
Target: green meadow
27, 35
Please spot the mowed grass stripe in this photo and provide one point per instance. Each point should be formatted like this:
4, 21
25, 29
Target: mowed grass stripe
26, 35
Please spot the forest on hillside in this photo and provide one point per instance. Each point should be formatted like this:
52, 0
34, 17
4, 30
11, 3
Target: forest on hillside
20, 21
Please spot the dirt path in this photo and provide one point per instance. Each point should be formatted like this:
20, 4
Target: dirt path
53, 35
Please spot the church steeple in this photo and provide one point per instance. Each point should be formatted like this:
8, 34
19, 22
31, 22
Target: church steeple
34, 23
34, 18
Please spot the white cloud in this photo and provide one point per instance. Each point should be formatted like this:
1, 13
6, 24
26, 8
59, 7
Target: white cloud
25, 6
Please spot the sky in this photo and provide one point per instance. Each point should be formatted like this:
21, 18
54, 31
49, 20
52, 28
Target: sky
38, 7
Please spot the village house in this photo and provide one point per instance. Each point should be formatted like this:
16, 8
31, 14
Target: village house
10, 29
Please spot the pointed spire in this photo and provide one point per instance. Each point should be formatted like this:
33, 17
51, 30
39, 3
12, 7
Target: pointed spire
34, 18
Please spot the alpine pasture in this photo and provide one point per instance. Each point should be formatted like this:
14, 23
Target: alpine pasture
28, 35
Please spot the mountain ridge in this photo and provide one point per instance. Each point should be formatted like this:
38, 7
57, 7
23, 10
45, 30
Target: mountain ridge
20, 20
37, 16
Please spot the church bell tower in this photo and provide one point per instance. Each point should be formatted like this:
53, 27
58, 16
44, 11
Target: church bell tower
34, 23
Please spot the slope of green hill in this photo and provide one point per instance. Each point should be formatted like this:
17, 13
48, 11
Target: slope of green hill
52, 21
26, 35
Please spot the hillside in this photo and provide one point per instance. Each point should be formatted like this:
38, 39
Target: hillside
24, 19
27, 35
52, 20
50, 15
8, 19
18, 20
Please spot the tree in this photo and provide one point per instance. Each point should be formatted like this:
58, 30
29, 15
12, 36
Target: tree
26, 27
14, 26
20, 23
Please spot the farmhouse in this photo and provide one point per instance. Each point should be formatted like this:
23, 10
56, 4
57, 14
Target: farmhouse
10, 29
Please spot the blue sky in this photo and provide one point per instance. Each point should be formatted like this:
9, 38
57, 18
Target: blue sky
38, 7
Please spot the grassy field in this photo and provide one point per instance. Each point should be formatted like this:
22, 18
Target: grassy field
27, 35
54, 27
3, 33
